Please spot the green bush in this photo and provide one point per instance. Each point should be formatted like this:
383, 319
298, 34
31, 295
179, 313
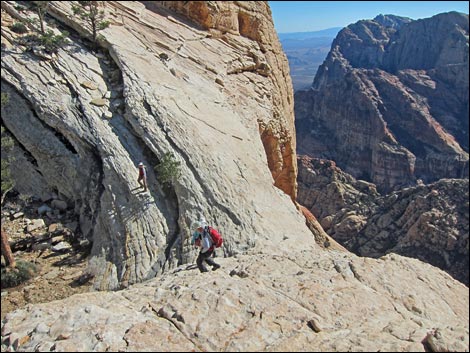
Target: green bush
12, 277
103, 25
19, 27
168, 170
19, 8
5, 98
52, 42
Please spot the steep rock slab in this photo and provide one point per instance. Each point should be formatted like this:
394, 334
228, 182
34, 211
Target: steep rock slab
84, 121
390, 102
260, 302
253, 20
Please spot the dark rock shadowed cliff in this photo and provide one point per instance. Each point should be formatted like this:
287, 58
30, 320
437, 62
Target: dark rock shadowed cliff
428, 222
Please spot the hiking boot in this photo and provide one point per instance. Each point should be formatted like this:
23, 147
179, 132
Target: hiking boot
204, 270
215, 267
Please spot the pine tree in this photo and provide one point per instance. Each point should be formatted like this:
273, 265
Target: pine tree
168, 169
90, 12
41, 9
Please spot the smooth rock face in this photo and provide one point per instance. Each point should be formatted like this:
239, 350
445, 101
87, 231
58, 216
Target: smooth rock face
332, 301
390, 102
252, 19
158, 91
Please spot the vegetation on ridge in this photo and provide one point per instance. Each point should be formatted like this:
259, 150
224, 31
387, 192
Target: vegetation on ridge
90, 12
168, 169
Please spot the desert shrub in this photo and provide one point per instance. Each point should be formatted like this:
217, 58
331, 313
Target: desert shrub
52, 42
5, 98
49, 41
168, 170
19, 7
19, 27
12, 277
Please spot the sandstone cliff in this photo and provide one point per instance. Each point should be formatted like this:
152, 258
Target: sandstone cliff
213, 97
253, 20
390, 102
217, 96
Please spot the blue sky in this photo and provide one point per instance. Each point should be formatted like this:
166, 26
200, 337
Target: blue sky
306, 16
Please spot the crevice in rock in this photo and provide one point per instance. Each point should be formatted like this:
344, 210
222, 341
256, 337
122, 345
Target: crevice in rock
426, 346
353, 269
173, 238
186, 158
64, 141
170, 314
113, 78
125, 132
171, 201
175, 241
29, 157
96, 202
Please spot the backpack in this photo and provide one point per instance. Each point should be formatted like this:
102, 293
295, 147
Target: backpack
216, 237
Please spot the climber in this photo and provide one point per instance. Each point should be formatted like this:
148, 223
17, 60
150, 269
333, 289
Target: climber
142, 176
202, 238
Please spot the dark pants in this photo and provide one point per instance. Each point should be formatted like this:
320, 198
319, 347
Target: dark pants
206, 256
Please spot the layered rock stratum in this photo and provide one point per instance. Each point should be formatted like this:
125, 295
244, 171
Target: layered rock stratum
198, 80
390, 103
428, 222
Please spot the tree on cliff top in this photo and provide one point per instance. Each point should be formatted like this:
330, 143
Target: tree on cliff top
90, 12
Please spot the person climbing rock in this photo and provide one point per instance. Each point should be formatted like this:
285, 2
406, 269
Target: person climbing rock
142, 179
202, 238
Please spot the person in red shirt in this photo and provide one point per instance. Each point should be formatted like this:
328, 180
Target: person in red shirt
142, 180
202, 239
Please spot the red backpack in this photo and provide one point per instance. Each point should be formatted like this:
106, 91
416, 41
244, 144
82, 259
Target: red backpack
216, 237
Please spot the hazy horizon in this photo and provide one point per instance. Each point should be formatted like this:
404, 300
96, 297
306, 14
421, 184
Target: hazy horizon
313, 16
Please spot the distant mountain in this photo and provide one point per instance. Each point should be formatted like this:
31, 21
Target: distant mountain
306, 51
390, 102
310, 43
